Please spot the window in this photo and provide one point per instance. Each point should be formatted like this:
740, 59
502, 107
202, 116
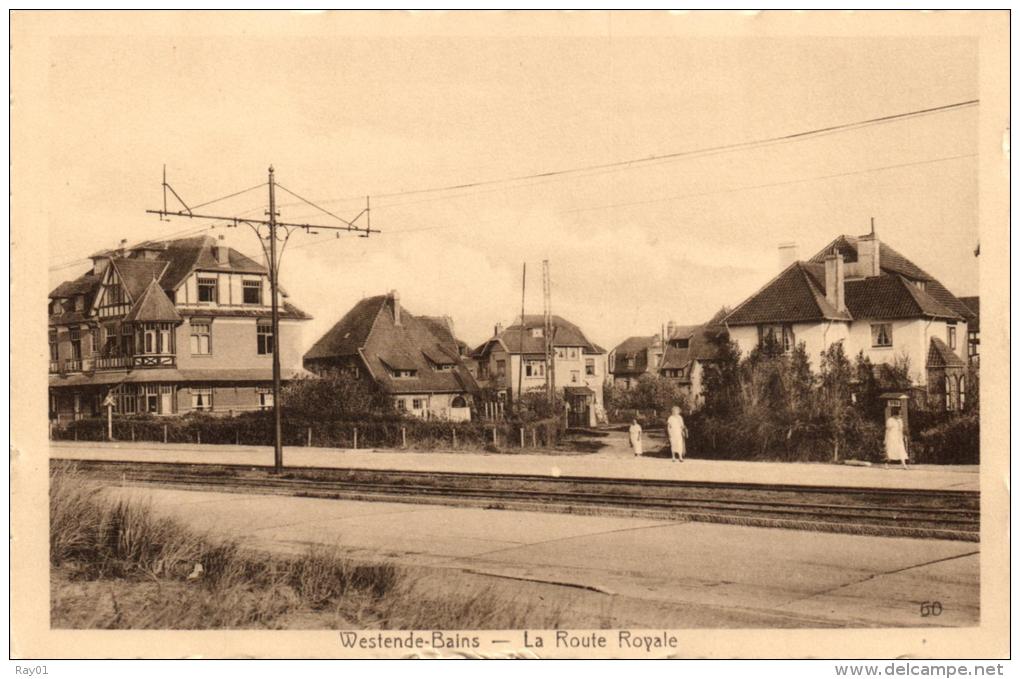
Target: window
572, 353
589, 367
951, 336
972, 343
264, 332
963, 391
53, 344
949, 392
201, 398
201, 338
537, 332
113, 294
881, 334
95, 340
75, 343
79, 303
125, 398
534, 368
150, 398
207, 290
561, 352
782, 334
127, 346
483, 371
418, 404
575, 376
681, 343
401, 405
630, 362
252, 291
405, 374
500, 368
265, 395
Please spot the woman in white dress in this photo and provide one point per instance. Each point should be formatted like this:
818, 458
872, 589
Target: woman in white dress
677, 432
635, 438
895, 448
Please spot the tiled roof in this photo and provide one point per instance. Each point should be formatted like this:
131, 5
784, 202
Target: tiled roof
369, 330
565, 334
793, 296
632, 348
892, 262
287, 311
153, 305
798, 293
941, 356
85, 284
136, 274
891, 296
974, 304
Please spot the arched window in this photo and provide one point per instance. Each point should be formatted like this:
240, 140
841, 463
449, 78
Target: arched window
459, 402
963, 391
949, 392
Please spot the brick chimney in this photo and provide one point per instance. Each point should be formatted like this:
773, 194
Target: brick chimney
835, 281
395, 296
787, 254
868, 262
222, 252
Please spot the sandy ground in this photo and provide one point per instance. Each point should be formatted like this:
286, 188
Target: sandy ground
636, 572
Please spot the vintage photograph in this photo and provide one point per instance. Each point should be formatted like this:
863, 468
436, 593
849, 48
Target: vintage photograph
539, 334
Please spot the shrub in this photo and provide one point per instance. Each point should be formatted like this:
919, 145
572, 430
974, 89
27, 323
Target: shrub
957, 440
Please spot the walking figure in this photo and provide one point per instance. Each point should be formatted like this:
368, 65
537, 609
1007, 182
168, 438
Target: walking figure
895, 441
677, 433
635, 438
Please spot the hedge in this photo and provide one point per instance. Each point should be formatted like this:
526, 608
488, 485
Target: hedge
258, 429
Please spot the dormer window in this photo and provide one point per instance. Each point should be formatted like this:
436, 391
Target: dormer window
537, 332
681, 343
405, 374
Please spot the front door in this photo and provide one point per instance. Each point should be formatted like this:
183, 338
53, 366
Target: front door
167, 402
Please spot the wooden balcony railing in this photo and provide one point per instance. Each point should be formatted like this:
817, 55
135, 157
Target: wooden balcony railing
54, 366
113, 363
155, 361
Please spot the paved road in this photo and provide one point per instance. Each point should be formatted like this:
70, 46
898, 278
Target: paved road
613, 461
665, 573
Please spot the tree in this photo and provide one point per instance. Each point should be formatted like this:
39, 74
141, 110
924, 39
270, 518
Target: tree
335, 397
721, 379
834, 406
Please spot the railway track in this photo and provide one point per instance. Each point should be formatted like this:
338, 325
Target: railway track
877, 511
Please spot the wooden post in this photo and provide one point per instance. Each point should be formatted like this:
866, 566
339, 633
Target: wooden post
403, 437
493, 436
455, 438
132, 433
76, 431
522, 437
198, 435
237, 436
109, 422
164, 434
309, 437
355, 438
534, 438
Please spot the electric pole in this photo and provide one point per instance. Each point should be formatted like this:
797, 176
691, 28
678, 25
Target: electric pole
273, 255
550, 348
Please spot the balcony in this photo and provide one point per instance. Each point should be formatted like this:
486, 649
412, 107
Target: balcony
113, 363
155, 361
54, 366
71, 365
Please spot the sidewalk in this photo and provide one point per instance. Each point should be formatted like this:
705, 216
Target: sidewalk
610, 463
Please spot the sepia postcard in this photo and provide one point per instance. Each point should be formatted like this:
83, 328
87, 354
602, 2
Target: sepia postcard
589, 334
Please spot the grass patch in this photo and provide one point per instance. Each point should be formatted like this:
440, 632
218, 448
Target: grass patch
118, 564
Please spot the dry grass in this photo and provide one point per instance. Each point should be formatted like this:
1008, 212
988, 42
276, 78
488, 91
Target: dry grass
117, 564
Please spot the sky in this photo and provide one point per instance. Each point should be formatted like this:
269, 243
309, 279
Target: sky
342, 116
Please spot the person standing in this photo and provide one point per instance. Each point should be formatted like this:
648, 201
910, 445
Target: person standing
635, 438
895, 446
677, 432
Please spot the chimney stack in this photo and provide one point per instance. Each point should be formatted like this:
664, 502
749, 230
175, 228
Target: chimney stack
670, 327
787, 254
835, 288
396, 306
868, 256
222, 252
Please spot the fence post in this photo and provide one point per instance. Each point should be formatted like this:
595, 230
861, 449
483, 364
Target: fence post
522, 437
237, 436
454, 437
309, 437
493, 436
132, 433
198, 436
403, 437
534, 438
76, 431
164, 434
355, 438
